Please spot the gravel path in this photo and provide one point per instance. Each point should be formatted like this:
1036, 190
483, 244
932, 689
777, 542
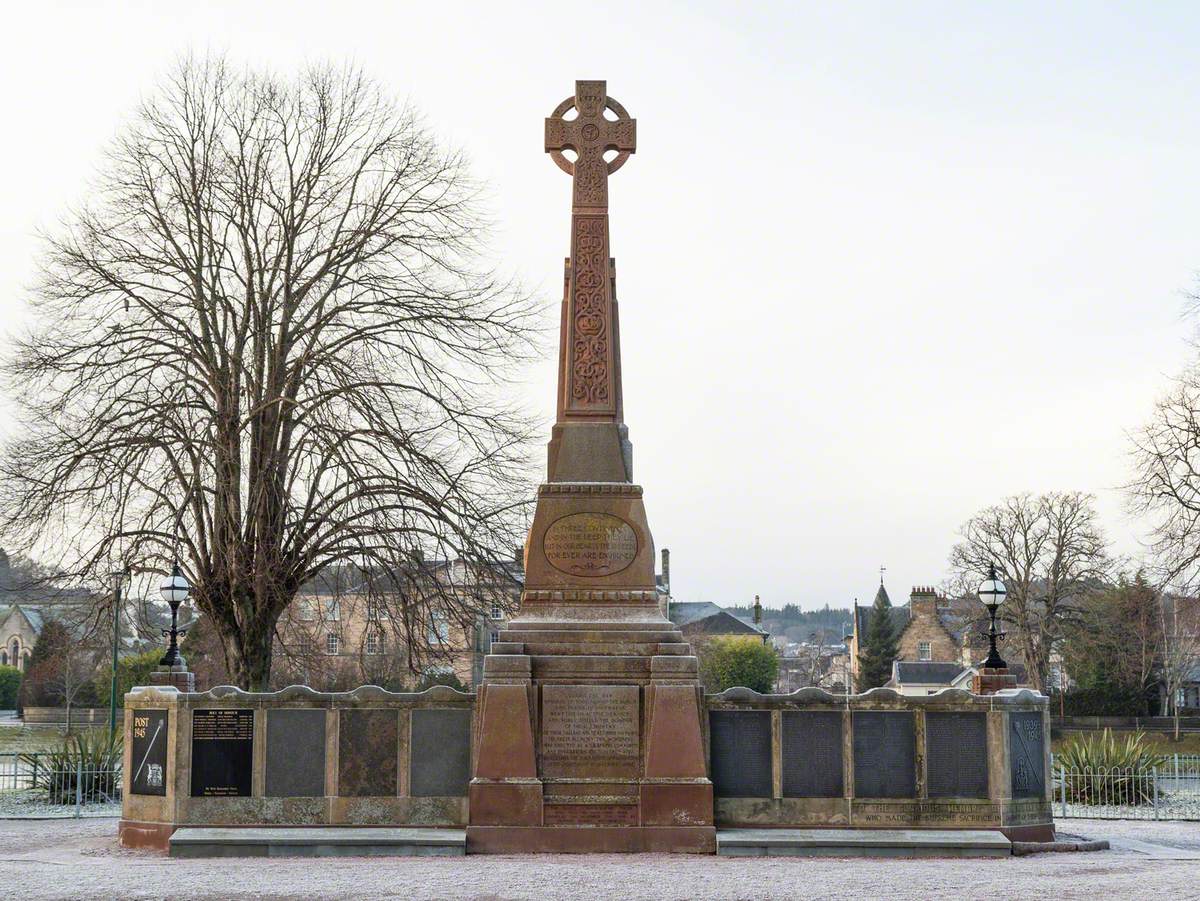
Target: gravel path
76, 859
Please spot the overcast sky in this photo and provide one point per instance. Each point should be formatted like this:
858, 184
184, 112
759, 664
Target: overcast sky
881, 264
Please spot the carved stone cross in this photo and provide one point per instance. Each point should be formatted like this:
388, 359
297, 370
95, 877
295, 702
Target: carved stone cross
590, 135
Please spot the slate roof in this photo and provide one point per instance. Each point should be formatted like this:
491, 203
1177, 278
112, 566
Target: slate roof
723, 623
702, 617
925, 672
683, 612
30, 613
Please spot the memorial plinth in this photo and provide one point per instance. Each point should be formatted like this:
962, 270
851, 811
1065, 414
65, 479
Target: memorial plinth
589, 714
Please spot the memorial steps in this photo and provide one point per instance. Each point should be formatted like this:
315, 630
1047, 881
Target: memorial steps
862, 843
364, 841
317, 841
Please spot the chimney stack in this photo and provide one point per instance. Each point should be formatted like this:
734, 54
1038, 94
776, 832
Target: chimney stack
757, 611
666, 570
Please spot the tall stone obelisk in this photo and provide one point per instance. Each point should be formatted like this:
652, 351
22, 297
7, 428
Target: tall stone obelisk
589, 734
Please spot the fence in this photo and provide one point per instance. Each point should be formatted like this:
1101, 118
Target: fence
1167, 792
47, 785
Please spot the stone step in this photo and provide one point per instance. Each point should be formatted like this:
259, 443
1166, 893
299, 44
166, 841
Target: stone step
862, 843
574, 636
317, 841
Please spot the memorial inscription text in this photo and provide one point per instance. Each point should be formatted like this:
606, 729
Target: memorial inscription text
590, 544
590, 728
222, 752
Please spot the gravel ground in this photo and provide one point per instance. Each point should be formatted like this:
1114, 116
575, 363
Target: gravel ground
80, 859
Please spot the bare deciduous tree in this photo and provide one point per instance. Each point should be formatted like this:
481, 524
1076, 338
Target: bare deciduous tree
1166, 483
1179, 649
267, 346
1049, 551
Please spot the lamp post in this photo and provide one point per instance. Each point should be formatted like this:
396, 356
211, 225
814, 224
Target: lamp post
118, 577
992, 593
174, 591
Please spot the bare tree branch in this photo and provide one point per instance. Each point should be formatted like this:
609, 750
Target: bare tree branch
266, 345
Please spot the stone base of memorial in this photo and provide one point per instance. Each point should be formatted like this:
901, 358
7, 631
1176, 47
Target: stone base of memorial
294, 757
952, 760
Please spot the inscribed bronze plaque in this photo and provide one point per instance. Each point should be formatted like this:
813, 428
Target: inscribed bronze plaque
740, 742
222, 753
1026, 753
367, 752
956, 755
590, 544
884, 754
812, 754
149, 752
590, 730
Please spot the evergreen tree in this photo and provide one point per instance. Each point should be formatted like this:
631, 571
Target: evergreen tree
879, 647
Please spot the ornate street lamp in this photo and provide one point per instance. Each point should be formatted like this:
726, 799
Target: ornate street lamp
992, 593
174, 591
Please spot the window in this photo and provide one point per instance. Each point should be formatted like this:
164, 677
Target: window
333, 644
331, 610
308, 610
495, 636
373, 642
439, 629
924, 650
497, 612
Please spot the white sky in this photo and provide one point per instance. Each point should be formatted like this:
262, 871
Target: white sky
880, 264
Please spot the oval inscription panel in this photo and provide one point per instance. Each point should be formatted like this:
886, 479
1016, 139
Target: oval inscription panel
590, 544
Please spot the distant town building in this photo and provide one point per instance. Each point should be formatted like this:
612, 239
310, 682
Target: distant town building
701, 620
941, 634
340, 633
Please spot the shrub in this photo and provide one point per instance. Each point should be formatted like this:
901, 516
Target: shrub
438, 677
730, 661
10, 684
95, 755
131, 671
1104, 769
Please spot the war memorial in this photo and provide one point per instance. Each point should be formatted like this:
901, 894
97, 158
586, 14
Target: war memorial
590, 731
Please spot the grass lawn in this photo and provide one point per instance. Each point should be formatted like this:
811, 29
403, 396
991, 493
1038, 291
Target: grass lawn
1189, 742
15, 739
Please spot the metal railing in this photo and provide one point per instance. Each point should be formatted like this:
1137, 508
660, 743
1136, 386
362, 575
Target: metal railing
44, 785
1167, 792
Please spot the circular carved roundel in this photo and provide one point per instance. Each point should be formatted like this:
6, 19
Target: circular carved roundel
590, 544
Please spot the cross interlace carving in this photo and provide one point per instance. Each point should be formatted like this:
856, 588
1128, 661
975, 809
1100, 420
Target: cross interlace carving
590, 135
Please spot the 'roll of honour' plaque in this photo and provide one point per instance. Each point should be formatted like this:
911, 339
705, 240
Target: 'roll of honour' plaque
222, 753
590, 544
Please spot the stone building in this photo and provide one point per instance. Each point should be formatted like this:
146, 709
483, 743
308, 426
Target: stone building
337, 634
931, 628
19, 629
701, 620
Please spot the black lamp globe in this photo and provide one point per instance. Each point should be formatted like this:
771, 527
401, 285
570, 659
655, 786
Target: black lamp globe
174, 591
992, 593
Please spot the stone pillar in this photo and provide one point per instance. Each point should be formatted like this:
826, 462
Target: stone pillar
176, 676
990, 680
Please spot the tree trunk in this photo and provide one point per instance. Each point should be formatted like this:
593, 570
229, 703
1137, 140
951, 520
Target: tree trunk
252, 656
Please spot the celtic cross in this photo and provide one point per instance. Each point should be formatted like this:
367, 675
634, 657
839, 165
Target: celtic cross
589, 374
590, 135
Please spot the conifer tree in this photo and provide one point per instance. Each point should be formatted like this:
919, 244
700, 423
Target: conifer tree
879, 647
